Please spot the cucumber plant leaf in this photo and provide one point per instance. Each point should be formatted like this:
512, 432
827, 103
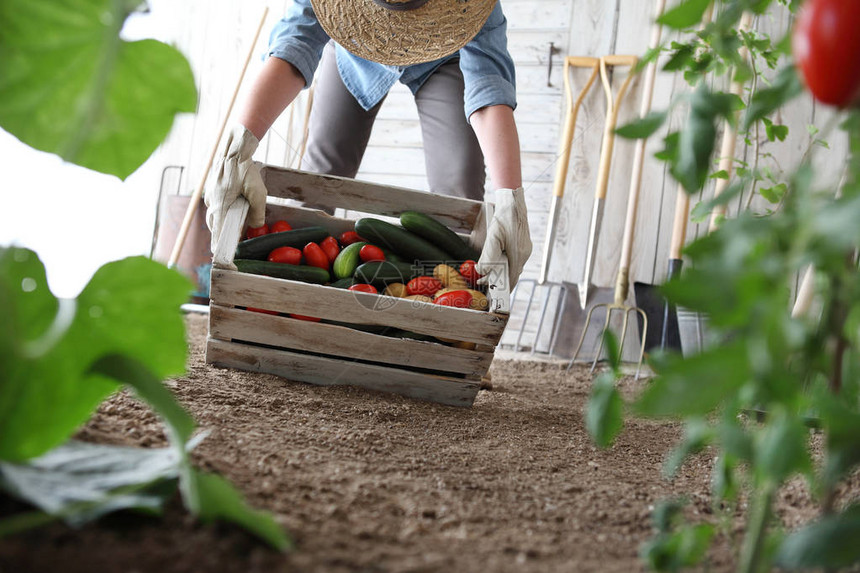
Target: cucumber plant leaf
71, 86
129, 307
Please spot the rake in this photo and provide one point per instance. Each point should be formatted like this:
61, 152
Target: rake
542, 284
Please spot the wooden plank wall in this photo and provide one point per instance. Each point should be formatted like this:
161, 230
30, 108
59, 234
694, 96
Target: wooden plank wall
218, 42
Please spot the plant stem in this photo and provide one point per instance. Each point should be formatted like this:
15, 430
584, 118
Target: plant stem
751, 551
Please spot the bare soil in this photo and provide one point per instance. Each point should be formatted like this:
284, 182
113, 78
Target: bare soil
370, 482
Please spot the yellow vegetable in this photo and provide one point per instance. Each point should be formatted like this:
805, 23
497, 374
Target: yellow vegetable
395, 289
450, 278
419, 297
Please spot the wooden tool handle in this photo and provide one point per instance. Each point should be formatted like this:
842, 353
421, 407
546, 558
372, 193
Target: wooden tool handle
198, 193
679, 224
613, 104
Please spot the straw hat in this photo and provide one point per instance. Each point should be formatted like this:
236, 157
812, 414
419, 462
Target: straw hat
402, 32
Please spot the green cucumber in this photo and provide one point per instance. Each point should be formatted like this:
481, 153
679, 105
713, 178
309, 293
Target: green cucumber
343, 283
259, 247
429, 228
347, 261
380, 273
402, 242
304, 273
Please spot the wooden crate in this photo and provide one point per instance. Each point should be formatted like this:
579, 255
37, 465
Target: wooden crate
325, 354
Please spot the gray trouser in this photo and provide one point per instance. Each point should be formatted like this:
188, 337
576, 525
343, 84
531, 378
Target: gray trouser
339, 129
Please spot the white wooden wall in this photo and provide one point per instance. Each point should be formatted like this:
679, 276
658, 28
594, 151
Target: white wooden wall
215, 36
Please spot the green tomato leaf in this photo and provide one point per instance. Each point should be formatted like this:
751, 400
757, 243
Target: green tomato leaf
696, 141
697, 435
129, 307
71, 86
643, 128
604, 411
830, 543
687, 13
781, 449
786, 86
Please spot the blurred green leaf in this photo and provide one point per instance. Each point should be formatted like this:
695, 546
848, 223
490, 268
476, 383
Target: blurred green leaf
786, 86
675, 551
604, 411
686, 14
71, 86
829, 543
774, 194
697, 435
643, 128
781, 449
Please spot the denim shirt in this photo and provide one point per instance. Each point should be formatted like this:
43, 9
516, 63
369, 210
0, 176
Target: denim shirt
488, 70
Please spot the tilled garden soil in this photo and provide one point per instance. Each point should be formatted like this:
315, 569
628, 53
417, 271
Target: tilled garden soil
365, 481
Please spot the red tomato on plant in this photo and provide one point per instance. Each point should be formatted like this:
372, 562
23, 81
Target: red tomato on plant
826, 45
423, 285
371, 253
330, 248
286, 255
315, 256
257, 231
303, 317
467, 269
349, 237
280, 227
455, 298
364, 288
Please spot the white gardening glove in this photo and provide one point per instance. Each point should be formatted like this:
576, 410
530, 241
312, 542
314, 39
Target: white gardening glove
507, 237
238, 175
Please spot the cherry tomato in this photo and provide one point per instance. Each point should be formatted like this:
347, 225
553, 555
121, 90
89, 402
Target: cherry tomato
257, 231
371, 253
364, 288
286, 255
349, 237
330, 248
455, 298
315, 256
423, 285
263, 310
303, 317
280, 227
826, 45
467, 269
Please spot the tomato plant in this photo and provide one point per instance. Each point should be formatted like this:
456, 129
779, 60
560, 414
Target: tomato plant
467, 269
455, 298
280, 226
330, 248
364, 288
257, 231
826, 45
371, 253
426, 286
315, 256
349, 237
286, 255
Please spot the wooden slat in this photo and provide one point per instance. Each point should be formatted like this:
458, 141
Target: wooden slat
330, 372
299, 217
291, 334
340, 192
232, 288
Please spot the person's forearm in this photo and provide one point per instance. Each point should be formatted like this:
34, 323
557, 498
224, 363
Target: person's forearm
497, 134
273, 90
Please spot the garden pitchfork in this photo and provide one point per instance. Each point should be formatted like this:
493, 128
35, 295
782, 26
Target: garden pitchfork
565, 145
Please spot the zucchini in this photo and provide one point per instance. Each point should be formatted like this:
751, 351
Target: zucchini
429, 228
343, 283
304, 273
347, 260
259, 247
380, 273
402, 242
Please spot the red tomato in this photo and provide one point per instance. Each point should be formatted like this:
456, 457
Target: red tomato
280, 227
257, 231
286, 255
467, 269
303, 317
364, 288
349, 237
371, 253
315, 256
455, 298
263, 310
826, 45
423, 285
330, 248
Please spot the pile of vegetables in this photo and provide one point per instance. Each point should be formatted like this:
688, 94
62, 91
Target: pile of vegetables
421, 260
